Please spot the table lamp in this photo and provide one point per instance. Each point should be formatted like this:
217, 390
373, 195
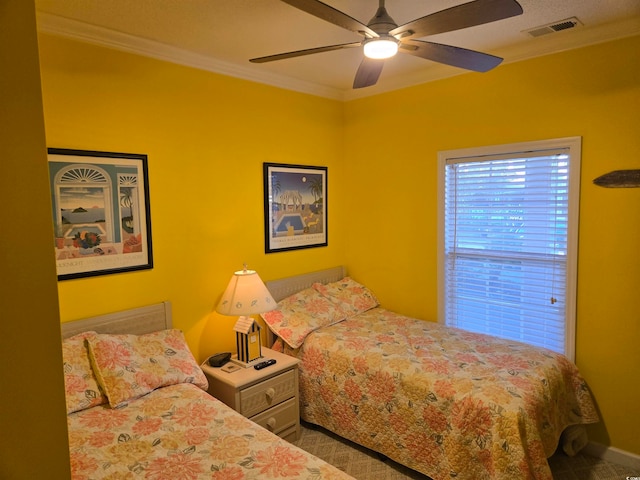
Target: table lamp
246, 295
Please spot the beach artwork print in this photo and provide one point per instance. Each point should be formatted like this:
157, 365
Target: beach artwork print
295, 207
100, 212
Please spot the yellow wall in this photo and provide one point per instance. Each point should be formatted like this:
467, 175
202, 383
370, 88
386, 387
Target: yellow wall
33, 427
206, 137
392, 145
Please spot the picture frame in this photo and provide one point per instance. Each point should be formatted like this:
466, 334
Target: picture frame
101, 212
295, 207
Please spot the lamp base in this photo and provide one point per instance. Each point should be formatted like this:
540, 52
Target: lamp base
248, 364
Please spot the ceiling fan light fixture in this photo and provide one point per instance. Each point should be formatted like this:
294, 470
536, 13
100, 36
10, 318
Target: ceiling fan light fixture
380, 48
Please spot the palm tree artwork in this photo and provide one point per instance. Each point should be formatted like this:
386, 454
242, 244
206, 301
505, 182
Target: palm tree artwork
126, 201
315, 187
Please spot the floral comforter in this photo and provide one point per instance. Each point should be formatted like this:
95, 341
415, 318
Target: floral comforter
182, 433
445, 402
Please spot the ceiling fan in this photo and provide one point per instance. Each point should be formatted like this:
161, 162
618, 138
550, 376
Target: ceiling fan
383, 38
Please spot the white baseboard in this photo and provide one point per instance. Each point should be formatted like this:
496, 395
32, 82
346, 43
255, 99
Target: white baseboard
614, 455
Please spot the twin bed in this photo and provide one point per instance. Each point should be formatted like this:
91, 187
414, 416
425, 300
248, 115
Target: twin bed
442, 401
138, 409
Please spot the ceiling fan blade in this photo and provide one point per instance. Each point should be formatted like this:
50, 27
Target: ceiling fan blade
466, 15
449, 55
368, 73
301, 53
331, 15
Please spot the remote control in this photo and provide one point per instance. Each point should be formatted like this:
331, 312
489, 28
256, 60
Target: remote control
265, 364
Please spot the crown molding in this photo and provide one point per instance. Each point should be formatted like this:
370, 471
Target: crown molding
528, 48
104, 37
565, 40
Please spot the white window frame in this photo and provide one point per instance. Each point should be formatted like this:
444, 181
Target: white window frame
574, 144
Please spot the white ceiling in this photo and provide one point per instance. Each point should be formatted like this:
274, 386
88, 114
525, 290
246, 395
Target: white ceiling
222, 35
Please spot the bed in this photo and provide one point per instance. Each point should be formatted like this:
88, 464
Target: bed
138, 409
442, 401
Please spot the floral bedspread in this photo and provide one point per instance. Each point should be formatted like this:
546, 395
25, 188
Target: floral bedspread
445, 402
182, 433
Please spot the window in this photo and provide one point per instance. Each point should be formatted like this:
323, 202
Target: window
508, 241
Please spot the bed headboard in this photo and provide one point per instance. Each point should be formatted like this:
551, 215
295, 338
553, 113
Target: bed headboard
285, 287
136, 321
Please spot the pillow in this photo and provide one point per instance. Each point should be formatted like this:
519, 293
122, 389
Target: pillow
352, 297
300, 314
80, 383
130, 366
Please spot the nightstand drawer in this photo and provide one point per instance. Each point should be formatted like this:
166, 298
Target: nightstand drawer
275, 390
278, 418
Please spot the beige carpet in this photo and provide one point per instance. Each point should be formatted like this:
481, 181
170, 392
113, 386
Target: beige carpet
366, 465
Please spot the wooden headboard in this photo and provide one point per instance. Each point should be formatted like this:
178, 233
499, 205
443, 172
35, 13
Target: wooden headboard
285, 287
136, 321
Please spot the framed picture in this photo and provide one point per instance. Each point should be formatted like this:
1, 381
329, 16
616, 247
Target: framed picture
295, 207
100, 212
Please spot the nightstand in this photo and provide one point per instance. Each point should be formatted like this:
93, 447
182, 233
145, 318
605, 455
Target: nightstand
269, 396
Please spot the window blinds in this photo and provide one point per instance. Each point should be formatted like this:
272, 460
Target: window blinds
505, 245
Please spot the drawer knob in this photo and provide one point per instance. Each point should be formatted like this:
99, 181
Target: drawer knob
270, 393
271, 423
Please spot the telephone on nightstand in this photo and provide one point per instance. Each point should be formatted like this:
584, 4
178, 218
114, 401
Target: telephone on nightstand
219, 359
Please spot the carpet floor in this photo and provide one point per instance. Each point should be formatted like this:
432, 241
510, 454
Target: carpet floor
364, 464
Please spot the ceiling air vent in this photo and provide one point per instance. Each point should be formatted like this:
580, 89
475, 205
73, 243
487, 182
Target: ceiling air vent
553, 27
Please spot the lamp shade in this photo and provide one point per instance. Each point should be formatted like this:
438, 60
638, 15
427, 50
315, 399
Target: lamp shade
246, 294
